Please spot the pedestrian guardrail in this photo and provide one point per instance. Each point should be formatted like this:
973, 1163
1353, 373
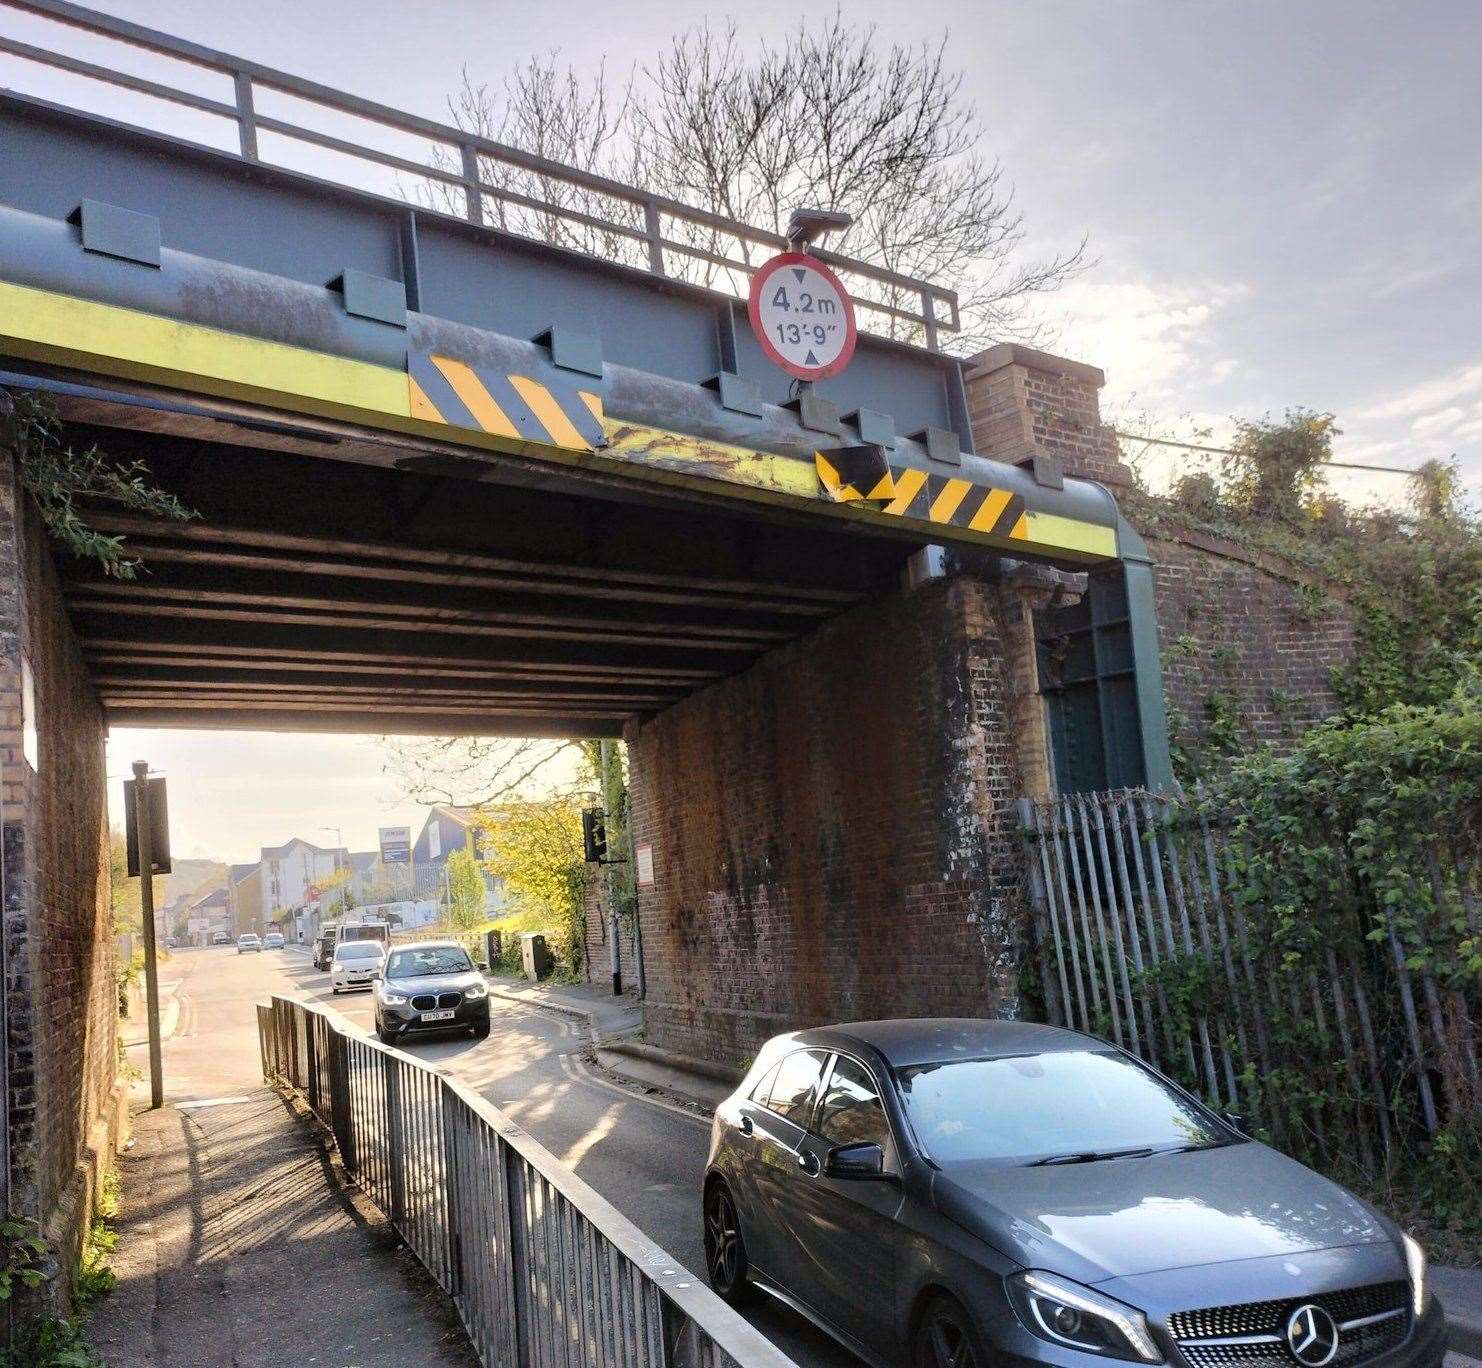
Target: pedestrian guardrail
544, 1272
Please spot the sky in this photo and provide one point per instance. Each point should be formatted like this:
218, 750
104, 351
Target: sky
1282, 198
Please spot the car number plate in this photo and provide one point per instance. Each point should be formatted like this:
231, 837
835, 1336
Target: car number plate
447, 1015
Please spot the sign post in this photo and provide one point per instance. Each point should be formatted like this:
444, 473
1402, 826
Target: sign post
802, 316
142, 810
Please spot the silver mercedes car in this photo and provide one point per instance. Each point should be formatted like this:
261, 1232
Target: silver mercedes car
959, 1193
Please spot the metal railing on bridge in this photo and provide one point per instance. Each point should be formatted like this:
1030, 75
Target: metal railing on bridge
543, 1271
273, 113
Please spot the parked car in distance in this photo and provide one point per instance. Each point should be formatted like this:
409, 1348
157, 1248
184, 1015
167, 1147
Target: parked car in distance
272, 940
170, 942
355, 964
430, 986
248, 940
970, 1192
220, 938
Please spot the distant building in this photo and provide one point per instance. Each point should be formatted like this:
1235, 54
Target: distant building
290, 874
447, 829
244, 898
207, 914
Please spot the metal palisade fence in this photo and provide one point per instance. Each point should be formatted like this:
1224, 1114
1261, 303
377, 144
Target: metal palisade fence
543, 1271
1322, 1024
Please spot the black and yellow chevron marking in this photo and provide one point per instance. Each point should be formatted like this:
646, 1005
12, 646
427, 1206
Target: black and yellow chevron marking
948, 500
446, 390
855, 472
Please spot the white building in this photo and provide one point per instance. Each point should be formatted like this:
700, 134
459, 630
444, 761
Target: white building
291, 873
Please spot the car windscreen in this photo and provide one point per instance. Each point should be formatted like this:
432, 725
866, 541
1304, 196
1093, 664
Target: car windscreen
437, 959
358, 950
1026, 1107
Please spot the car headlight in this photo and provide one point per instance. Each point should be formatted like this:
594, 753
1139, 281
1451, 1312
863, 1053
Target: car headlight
394, 999
475, 991
1063, 1312
1415, 1262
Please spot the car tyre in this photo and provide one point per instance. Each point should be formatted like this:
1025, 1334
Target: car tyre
725, 1251
383, 1035
480, 1031
946, 1338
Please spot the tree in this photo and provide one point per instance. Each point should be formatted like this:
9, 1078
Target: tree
1275, 467
537, 851
829, 117
477, 771
465, 891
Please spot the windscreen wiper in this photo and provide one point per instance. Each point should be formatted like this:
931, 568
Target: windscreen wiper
1089, 1157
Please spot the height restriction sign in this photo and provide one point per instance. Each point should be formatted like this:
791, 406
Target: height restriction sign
802, 316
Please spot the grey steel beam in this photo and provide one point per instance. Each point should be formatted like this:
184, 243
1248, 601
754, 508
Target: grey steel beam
218, 545
322, 659
274, 591
209, 634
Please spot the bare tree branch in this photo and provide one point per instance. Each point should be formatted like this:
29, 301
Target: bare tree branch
830, 115
472, 771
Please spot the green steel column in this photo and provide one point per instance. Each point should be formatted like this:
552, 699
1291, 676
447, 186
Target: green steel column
1147, 662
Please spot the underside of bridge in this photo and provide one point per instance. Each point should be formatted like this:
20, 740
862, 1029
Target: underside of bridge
313, 591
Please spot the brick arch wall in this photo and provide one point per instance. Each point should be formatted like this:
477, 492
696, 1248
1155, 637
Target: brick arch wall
1240, 626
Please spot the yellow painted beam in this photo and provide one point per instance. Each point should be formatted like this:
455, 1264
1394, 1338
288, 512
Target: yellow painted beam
59, 329
107, 339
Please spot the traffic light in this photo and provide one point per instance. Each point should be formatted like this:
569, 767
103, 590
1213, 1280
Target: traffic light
594, 835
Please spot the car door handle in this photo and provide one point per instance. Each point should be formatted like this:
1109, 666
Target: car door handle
808, 1162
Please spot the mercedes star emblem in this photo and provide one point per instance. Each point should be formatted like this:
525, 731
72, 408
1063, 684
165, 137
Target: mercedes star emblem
1312, 1336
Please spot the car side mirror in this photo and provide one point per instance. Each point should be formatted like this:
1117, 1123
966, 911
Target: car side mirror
855, 1161
1236, 1122
482, 966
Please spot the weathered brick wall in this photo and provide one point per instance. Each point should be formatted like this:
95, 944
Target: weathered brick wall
832, 831
1022, 402
61, 1004
1239, 633
1237, 629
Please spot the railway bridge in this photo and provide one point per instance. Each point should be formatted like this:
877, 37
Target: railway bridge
453, 477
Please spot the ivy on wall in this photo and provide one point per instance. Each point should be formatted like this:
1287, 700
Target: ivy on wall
1354, 863
1410, 574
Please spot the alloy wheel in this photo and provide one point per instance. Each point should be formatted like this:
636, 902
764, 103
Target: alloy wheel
944, 1340
723, 1256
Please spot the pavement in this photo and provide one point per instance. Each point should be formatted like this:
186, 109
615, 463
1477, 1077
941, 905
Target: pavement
565, 1061
237, 1244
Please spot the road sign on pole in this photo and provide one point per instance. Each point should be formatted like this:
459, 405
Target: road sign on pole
802, 316
146, 805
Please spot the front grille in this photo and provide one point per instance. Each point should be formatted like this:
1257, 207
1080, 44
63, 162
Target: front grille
1268, 1319
425, 1002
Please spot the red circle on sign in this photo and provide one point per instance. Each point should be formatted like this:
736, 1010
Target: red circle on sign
754, 309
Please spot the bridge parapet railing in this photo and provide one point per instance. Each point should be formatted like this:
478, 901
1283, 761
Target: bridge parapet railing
284, 121
542, 1269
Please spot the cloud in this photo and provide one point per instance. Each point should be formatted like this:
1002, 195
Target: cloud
1435, 417
1430, 396
1148, 336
